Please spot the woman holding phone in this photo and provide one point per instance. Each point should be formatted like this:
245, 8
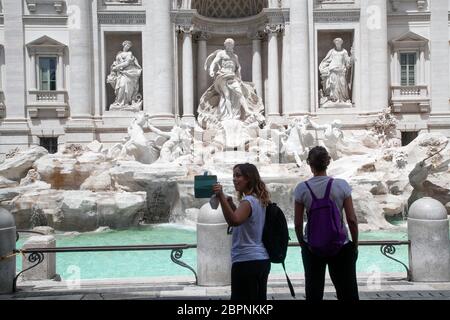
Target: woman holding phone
250, 260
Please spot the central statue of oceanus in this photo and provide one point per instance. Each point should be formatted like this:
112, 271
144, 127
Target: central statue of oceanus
229, 98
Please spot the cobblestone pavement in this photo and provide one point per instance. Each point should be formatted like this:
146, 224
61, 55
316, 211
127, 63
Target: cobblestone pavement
389, 287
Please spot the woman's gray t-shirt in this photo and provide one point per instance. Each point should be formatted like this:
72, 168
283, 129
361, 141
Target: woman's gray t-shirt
247, 238
340, 190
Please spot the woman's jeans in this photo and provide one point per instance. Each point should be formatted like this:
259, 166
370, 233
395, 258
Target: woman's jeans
249, 280
342, 269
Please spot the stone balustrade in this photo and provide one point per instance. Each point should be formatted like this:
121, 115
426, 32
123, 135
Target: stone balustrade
410, 98
47, 100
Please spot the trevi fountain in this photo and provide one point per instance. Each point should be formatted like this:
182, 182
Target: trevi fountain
149, 176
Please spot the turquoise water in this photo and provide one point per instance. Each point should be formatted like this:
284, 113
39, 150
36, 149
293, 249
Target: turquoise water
136, 264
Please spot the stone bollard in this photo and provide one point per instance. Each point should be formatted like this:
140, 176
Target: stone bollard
213, 248
45, 270
7, 246
428, 231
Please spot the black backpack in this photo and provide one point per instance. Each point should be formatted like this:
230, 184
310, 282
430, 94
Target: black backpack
276, 238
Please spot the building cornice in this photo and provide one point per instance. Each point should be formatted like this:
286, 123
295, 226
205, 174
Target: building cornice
409, 17
41, 19
239, 26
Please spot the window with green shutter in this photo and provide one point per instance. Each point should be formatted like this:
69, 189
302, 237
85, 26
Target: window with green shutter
47, 73
408, 69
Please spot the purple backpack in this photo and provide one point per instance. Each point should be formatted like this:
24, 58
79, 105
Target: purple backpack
326, 233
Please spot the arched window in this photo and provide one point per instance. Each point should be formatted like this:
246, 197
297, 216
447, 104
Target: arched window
229, 9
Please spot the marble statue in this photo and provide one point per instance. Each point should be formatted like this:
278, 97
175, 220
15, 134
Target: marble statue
229, 98
136, 146
32, 177
297, 141
178, 146
335, 73
385, 128
425, 188
333, 137
400, 159
438, 164
152, 174
124, 78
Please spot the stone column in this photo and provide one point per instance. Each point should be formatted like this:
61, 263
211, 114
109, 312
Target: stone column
14, 130
188, 73
213, 248
257, 63
33, 72
47, 269
60, 75
422, 78
98, 80
375, 21
7, 245
159, 62
299, 69
202, 74
80, 52
430, 244
273, 97
14, 60
439, 57
395, 76
80, 128
286, 107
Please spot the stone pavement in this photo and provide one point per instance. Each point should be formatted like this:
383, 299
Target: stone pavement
387, 287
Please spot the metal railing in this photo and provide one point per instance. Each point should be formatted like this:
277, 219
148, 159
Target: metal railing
387, 249
36, 255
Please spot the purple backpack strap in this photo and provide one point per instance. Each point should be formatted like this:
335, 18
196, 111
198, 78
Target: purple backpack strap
310, 190
328, 191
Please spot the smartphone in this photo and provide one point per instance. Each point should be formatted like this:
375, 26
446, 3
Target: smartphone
203, 186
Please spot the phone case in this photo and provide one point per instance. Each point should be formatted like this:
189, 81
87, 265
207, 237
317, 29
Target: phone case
203, 186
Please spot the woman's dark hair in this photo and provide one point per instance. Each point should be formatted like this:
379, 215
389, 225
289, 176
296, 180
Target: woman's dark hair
256, 185
319, 158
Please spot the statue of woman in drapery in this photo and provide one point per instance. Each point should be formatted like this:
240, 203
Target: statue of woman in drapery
334, 71
124, 78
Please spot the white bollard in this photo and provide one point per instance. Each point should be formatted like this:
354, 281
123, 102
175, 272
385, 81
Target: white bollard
428, 231
213, 248
7, 246
46, 269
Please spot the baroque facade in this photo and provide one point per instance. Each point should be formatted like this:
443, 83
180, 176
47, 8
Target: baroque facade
56, 55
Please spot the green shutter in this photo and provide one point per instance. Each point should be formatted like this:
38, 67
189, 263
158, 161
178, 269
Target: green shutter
408, 69
47, 73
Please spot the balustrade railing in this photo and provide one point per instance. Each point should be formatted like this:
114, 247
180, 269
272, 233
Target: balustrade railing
420, 91
47, 96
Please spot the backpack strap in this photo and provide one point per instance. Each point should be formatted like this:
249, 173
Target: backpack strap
291, 287
328, 191
310, 190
